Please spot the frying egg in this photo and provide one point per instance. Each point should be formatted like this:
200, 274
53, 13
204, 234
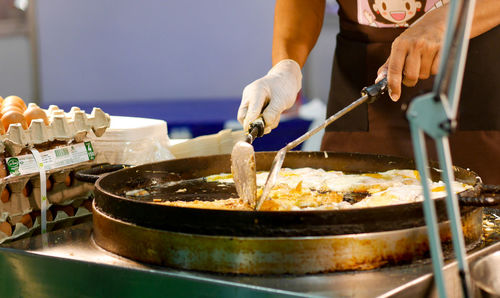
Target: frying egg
12, 117
316, 189
15, 100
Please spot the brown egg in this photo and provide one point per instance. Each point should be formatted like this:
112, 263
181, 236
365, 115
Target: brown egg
3, 168
49, 184
6, 228
27, 221
15, 100
87, 204
12, 117
11, 108
68, 180
28, 188
5, 109
35, 112
5, 197
2, 129
37, 213
69, 210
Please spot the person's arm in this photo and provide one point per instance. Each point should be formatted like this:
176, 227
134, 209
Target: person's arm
415, 53
297, 25
486, 17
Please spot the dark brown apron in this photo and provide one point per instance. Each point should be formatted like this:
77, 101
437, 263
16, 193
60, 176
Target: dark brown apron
382, 127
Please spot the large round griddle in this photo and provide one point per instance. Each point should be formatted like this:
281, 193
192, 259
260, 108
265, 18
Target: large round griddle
110, 201
273, 255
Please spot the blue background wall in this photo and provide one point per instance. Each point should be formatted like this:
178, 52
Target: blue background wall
129, 50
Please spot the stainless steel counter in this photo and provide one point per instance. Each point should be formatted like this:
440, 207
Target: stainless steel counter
68, 264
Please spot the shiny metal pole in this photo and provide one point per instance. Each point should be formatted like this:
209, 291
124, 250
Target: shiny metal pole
435, 114
33, 41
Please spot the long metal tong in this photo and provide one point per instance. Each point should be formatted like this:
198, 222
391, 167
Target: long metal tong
368, 94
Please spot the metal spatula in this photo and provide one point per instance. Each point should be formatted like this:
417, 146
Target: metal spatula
368, 94
243, 165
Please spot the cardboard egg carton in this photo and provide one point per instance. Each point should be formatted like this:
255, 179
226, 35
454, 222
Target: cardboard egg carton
71, 126
81, 212
63, 129
21, 203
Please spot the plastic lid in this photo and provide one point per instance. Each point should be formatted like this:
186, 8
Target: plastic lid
134, 128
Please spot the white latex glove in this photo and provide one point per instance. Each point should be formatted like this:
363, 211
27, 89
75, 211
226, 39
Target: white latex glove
278, 89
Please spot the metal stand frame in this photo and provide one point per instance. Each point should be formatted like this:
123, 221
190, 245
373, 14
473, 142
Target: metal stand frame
434, 114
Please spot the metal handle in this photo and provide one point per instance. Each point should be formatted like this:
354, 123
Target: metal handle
374, 91
493, 189
487, 197
368, 94
91, 175
480, 201
255, 130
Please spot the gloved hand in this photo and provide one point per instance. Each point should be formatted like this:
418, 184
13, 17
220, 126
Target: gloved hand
278, 89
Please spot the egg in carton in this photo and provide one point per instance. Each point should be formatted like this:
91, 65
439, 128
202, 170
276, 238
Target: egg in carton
62, 126
64, 188
32, 127
5, 226
13, 202
57, 216
21, 195
55, 128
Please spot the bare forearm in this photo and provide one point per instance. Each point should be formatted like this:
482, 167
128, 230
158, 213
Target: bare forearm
486, 16
297, 24
415, 53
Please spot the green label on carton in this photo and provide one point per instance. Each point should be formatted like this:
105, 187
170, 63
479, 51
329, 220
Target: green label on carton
90, 150
13, 165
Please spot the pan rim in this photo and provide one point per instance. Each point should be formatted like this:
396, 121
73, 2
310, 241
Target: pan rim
98, 186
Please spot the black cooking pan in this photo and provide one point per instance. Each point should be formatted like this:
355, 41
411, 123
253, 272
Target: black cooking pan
110, 199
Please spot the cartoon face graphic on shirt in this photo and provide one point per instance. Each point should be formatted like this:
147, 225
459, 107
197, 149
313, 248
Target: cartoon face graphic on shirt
398, 12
